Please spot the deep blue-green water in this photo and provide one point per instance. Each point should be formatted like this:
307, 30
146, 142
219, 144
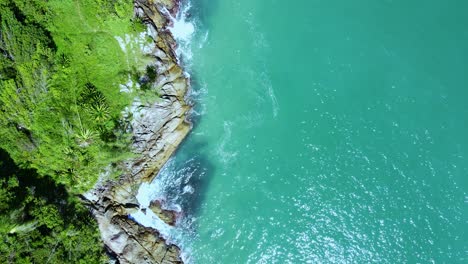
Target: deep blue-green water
325, 131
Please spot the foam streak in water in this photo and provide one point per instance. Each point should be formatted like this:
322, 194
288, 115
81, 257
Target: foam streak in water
168, 182
182, 30
145, 216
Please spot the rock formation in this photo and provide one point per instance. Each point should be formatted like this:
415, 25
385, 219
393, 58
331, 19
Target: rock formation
158, 128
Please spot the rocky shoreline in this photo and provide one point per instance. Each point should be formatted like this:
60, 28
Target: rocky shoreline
158, 128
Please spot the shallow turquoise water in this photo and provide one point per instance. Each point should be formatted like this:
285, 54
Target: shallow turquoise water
326, 132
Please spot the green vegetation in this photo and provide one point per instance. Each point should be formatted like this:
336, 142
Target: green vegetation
60, 74
62, 66
39, 223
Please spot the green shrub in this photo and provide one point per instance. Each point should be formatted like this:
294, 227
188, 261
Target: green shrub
41, 223
60, 76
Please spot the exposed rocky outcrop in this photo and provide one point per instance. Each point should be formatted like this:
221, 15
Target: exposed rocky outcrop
158, 128
167, 216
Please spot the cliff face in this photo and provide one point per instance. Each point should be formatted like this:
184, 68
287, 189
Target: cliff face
158, 128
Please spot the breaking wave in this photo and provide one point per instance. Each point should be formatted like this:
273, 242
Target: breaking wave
176, 184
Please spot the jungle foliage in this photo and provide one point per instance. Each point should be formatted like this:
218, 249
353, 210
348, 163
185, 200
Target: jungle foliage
61, 67
40, 223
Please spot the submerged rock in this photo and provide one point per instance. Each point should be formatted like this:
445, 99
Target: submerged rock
169, 217
158, 128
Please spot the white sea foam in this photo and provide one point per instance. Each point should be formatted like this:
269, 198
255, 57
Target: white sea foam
262, 47
225, 155
203, 40
149, 219
196, 95
147, 193
172, 185
158, 189
271, 93
182, 29
145, 216
169, 187
188, 189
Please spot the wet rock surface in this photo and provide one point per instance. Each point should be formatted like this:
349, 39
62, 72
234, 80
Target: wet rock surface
158, 128
167, 216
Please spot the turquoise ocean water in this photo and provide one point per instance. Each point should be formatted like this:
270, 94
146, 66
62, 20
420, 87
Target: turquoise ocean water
325, 131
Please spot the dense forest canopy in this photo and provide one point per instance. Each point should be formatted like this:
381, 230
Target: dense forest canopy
40, 223
62, 67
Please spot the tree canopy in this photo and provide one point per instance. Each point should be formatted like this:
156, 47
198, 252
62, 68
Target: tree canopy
61, 67
41, 223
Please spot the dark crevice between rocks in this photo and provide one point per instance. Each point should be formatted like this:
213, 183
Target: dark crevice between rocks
112, 255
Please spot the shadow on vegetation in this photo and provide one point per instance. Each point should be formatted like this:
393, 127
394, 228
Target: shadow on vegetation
28, 178
41, 223
32, 184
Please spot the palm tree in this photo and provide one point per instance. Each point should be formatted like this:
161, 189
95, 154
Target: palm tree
100, 112
85, 137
